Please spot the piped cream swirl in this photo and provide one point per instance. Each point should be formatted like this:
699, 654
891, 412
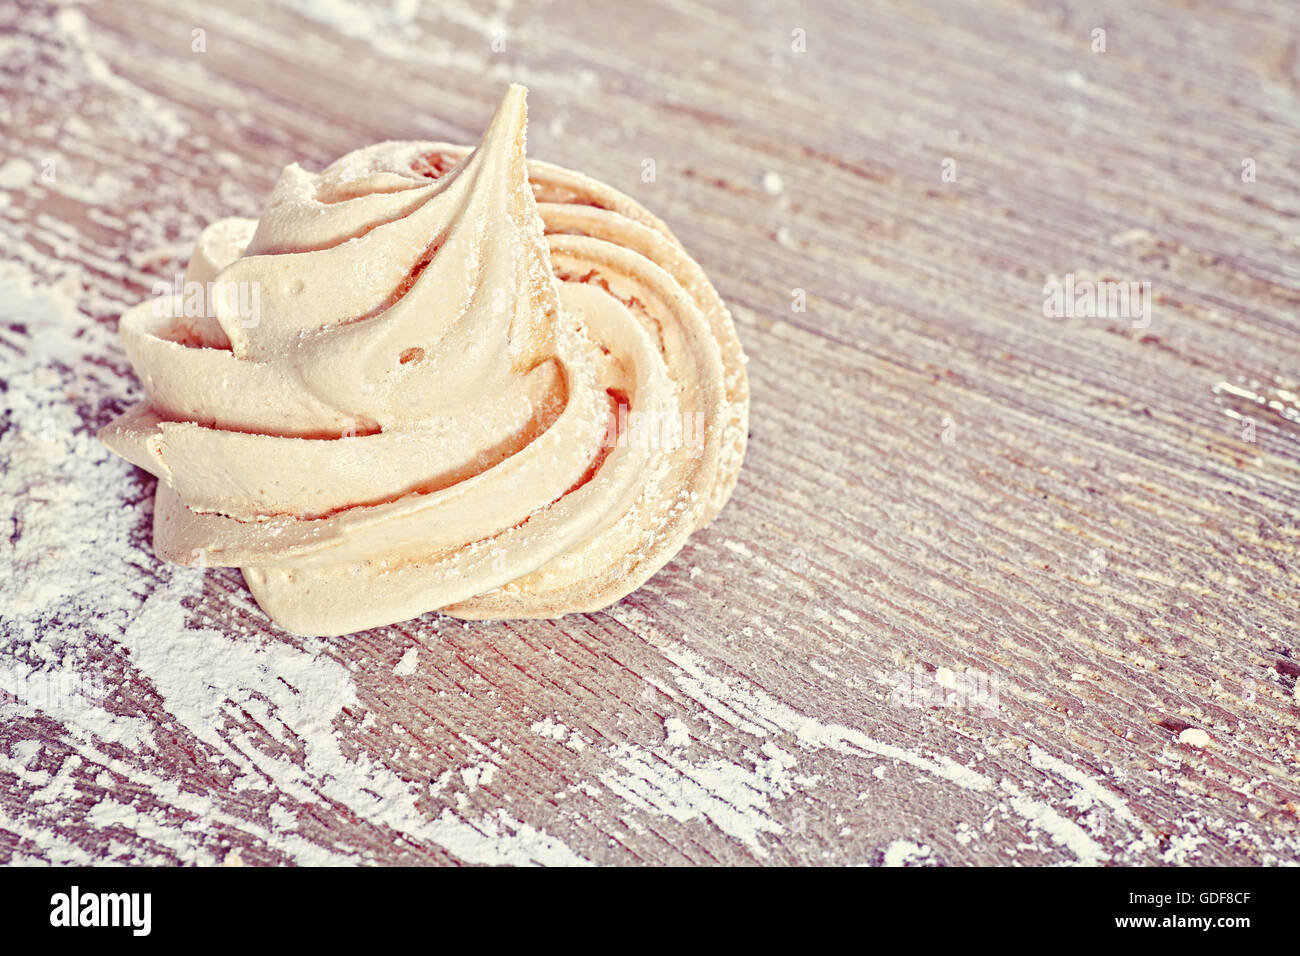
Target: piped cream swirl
429, 409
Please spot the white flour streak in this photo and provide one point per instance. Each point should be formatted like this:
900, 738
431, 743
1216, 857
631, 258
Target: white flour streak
206, 677
17, 174
1183, 848
407, 665
550, 729
155, 114
758, 713
753, 710
499, 839
907, 853
479, 775
676, 734
1088, 787
1062, 831
54, 848
394, 32
733, 797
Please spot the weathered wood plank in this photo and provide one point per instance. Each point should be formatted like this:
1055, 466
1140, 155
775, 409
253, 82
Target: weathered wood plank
944, 485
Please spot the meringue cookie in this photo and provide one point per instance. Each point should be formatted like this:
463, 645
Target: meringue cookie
467, 382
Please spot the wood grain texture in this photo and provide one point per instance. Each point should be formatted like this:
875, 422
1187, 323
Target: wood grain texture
942, 483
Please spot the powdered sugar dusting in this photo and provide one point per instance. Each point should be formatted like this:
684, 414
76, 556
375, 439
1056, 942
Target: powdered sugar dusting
755, 732
409, 662
907, 853
77, 627
274, 722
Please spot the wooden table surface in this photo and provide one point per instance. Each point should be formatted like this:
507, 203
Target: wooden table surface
996, 587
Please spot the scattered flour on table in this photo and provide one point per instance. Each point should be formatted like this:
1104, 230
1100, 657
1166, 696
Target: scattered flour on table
675, 733
409, 662
75, 538
17, 173
83, 586
736, 796
907, 853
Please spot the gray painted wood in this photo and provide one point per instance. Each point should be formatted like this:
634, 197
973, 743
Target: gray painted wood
1062, 524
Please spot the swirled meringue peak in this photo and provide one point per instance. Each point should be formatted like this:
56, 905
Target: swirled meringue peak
436, 378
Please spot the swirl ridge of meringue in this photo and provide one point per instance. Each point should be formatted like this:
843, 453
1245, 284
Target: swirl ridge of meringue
473, 383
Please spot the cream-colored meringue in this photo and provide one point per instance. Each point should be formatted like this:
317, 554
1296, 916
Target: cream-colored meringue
415, 414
